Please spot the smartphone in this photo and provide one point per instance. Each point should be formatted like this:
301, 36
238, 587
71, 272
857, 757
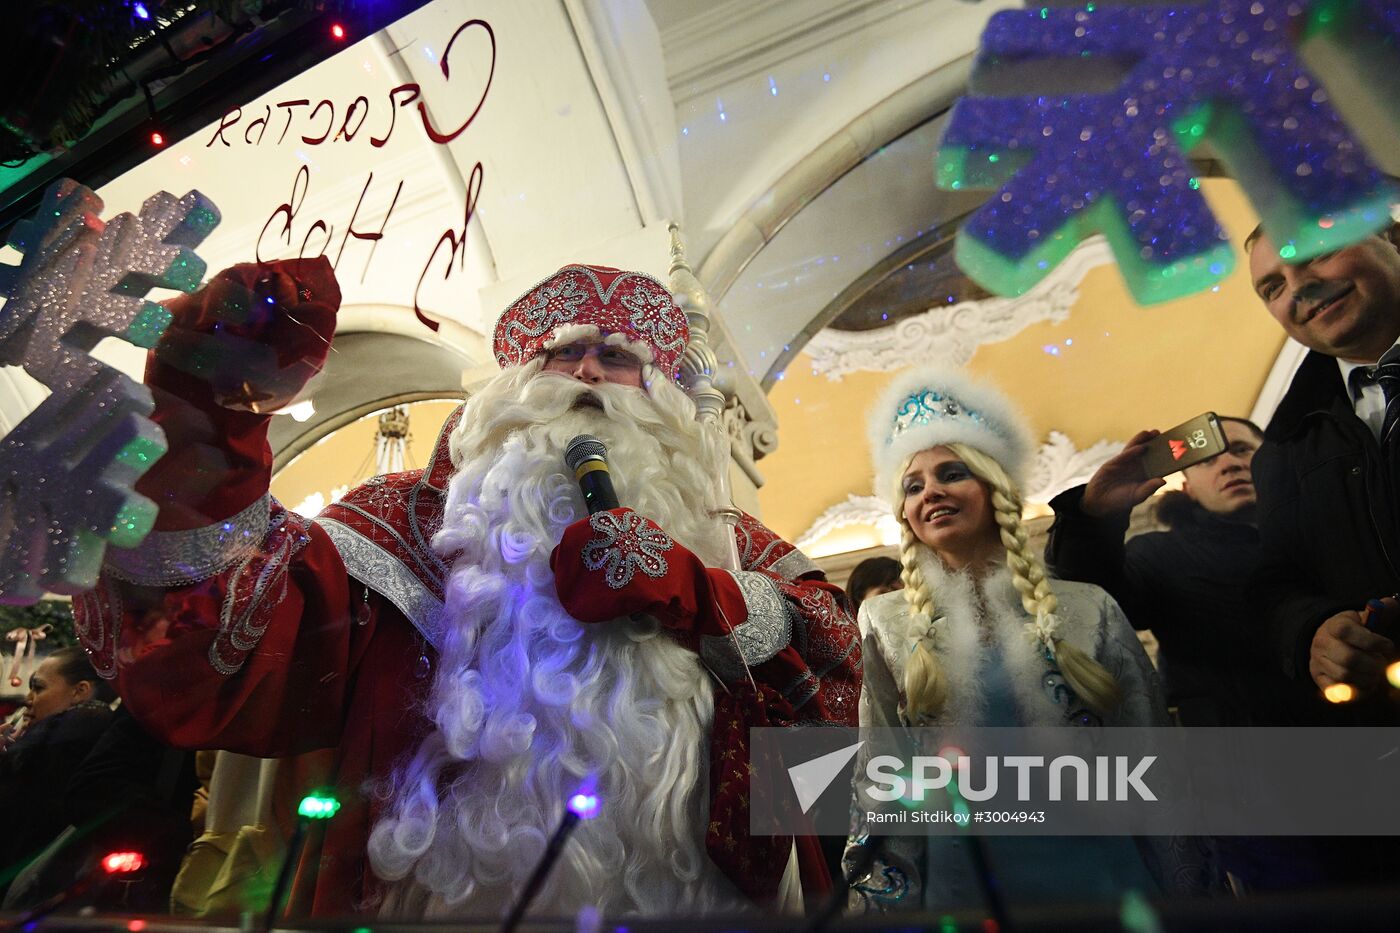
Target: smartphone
1184, 445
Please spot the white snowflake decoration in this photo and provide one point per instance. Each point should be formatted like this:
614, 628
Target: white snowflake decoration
68, 470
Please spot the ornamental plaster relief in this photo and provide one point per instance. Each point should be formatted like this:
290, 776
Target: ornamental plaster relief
951, 335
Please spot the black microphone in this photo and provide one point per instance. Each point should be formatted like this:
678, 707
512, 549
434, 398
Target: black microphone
588, 458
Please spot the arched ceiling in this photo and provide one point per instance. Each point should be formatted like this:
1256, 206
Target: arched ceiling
861, 221
792, 139
910, 282
597, 125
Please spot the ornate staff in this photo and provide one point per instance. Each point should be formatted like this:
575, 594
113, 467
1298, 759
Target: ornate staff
698, 368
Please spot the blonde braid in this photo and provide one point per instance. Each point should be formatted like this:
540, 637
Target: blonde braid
916, 592
1090, 681
925, 688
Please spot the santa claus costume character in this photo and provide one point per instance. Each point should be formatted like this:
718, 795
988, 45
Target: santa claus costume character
470, 643
980, 636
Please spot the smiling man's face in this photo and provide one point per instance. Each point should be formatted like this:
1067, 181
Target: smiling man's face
1344, 304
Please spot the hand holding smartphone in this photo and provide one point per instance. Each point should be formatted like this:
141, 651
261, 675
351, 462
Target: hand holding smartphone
1130, 477
1185, 445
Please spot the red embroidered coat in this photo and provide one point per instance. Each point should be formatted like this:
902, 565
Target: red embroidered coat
243, 626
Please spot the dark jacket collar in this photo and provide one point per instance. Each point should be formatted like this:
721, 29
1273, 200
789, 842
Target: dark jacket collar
1317, 386
1182, 514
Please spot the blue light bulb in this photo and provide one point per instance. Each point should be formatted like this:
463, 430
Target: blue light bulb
584, 806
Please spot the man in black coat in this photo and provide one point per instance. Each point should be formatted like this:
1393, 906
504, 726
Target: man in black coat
1188, 583
1329, 517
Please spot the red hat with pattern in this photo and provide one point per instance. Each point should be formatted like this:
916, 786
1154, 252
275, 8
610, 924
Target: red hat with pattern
628, 309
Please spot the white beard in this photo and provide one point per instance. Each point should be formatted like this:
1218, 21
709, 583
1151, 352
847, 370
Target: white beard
529, 706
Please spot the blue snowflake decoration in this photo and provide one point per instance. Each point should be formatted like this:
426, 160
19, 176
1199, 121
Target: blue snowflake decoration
1069, 166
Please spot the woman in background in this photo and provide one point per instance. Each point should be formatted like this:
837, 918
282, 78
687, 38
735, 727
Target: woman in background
67, 710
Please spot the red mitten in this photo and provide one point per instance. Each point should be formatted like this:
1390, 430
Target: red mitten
255, 334
243, 345
619, 563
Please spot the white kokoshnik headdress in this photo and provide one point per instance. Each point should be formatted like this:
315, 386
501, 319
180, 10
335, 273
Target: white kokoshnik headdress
931, 406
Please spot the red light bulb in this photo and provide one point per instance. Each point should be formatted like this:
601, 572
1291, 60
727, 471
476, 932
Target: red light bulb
123, 863
157, 139
337, 31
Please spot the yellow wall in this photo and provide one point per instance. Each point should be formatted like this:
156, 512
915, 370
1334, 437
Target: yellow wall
346, 458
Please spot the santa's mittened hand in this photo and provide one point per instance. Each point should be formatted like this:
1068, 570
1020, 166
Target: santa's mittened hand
618, 563
256, 333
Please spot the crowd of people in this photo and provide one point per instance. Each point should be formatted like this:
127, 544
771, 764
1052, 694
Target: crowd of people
464, 647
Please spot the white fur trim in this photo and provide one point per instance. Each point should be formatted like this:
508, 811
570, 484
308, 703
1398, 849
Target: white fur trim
969, 629
1001, 435
573, 333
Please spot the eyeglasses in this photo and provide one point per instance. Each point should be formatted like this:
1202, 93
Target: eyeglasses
607, 355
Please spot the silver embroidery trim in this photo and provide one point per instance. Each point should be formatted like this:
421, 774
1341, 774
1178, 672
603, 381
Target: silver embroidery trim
241, 634
750, 558
541, 319
801, 690
819, 673
793, 565
91, 627
623, 545
424, 545
390, 530
371, 565
179, 558
767, 630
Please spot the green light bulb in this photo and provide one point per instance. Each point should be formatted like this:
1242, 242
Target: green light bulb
318, 807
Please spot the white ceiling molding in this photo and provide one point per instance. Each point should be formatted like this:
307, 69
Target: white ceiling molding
622, 49
704, 54
473, 347
369, 371
855, 510
646, 249
1058, 466
889, 119
951, 334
